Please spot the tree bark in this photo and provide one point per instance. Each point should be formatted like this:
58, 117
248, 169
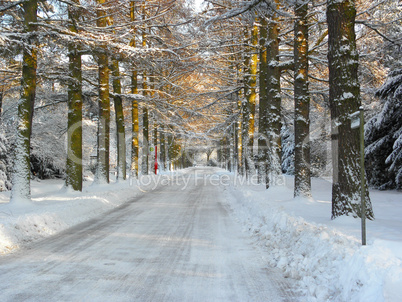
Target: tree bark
102, 169
74, 124
263, 125
134, 106
245, 108
273, 89
302, 102
251, 97
239, 130
145, 118
344, 99
145, 129
120, 128
162, 152
22, 167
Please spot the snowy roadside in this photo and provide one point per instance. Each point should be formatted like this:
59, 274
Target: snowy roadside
325, 256
55, 209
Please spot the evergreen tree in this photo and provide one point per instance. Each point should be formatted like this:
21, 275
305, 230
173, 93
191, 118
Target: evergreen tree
383, 135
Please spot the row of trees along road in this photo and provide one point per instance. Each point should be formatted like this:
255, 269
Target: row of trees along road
244, 75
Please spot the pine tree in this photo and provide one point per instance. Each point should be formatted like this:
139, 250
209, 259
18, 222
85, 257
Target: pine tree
383, 135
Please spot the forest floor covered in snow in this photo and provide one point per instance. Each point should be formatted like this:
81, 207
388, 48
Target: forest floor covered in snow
324, 256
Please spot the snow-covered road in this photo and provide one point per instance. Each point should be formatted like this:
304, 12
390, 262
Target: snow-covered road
177, 242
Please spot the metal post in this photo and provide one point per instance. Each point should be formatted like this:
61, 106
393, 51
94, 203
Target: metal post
363, 185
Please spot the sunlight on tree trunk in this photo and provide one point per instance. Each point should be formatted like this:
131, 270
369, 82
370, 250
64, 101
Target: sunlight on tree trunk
251, 97
239, 130
74, 124
134, 104
245, 108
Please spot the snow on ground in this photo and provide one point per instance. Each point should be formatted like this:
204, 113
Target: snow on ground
54, 208
324, 255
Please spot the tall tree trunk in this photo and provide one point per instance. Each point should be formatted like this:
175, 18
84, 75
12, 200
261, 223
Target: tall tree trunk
155, 152
235, 147
1, 102
74, 124
162, 152
134, 106
170, 150
145, 117
274, 97
251, 97
263, 124
145, 129
239, 131
154, 133
135, 126
22, 167
245, 108
102, 169
344, 99
120, 128
302, 102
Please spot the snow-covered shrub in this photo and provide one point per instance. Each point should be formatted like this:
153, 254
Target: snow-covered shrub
383, 135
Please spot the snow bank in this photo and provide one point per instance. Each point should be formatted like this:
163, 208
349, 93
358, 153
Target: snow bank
325, 256
54, 209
